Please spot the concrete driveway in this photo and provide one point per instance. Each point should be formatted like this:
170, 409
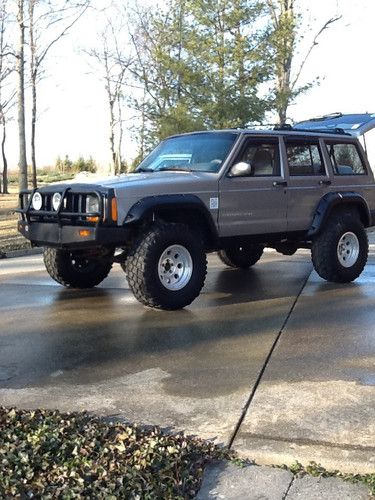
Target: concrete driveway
213, 369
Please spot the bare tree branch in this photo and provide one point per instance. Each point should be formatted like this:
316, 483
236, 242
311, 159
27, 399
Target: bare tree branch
114, 64
63, 32
312, 46
47, 21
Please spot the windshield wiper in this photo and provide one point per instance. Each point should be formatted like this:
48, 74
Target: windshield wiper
175, 167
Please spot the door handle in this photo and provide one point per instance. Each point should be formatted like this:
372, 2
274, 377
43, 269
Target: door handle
325, 182
279, 183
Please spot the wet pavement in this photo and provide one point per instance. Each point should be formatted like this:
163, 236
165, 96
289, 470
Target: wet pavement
317, 396
194, 370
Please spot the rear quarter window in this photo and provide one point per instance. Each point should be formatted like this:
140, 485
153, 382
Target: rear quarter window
345, 158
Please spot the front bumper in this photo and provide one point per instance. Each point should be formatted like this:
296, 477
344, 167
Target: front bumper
71, 225
55, 235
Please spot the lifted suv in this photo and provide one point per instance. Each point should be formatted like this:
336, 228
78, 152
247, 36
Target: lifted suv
231, 191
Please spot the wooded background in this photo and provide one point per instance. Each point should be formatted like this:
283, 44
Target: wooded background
187, 65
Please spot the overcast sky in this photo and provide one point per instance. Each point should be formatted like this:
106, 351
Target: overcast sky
72, 104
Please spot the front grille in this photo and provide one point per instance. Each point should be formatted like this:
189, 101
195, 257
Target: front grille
72, 208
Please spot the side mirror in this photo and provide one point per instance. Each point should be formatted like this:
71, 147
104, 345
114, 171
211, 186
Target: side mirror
240, 169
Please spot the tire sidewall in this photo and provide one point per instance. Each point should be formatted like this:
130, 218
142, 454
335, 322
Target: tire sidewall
324, 248
353, 225
143, 262
194, 247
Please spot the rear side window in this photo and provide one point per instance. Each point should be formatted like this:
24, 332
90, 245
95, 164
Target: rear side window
304, 158
345, 159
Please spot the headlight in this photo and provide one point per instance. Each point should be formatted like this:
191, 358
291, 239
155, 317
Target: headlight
56, 200
92, 203
37, 201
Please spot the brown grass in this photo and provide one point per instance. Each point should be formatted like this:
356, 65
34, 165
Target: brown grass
10, 239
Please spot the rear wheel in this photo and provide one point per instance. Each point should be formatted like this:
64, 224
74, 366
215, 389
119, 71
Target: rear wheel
339, 253
77, 269
241, 256
166, 267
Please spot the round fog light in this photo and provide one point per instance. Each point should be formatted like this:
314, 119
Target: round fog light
56, 200
37, 201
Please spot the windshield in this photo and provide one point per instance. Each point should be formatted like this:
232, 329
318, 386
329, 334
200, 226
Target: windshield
203, 152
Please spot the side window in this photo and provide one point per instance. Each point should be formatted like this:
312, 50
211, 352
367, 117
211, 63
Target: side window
345, 159
304, 158
263, 157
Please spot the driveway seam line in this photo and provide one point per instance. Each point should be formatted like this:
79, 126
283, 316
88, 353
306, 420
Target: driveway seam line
285, 496
266, 362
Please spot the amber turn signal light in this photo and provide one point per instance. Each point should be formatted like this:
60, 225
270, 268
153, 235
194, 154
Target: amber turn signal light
92, 219
84, 232
114, 214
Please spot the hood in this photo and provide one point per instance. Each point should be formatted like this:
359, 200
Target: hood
147, 180
142, 179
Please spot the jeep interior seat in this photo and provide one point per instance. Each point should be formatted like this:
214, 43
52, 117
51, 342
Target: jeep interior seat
344, 170
262, 162
318, 169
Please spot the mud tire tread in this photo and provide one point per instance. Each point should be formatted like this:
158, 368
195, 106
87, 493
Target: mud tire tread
141, 266
324, 249
59, 267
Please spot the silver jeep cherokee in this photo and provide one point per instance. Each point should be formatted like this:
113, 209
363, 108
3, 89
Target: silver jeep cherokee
231, 191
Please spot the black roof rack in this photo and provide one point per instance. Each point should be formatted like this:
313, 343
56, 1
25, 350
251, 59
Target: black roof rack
283, 126
289, 127
337, 130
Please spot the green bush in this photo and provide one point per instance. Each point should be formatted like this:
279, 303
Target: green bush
80, 165
48, 454
12, 179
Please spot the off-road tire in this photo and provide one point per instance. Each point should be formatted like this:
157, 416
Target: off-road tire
325, 248
143, 261
241, 257
74, 270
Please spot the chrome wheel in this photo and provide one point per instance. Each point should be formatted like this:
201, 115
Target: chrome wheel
175, 267
348, 249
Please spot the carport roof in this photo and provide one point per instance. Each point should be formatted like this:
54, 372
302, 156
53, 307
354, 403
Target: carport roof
354, 124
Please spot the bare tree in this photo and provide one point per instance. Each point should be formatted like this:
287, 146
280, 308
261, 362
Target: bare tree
284, 40
113, 62
49, 22
7, 92
20, 57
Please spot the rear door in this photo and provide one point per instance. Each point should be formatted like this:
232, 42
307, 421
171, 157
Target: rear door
254, 204
308, 179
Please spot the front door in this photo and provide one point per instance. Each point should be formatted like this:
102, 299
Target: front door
256, 203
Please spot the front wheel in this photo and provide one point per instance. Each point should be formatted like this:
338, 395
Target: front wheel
77, 269
339, 253
166, 266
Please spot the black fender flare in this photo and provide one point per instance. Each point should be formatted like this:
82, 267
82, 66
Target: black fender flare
146, 207
331, 201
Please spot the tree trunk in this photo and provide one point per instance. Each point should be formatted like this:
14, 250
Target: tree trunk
120, 136
5, 161
143, 127
22, 164
112, 137
111, 104
33, 128
33, 74
282, 114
